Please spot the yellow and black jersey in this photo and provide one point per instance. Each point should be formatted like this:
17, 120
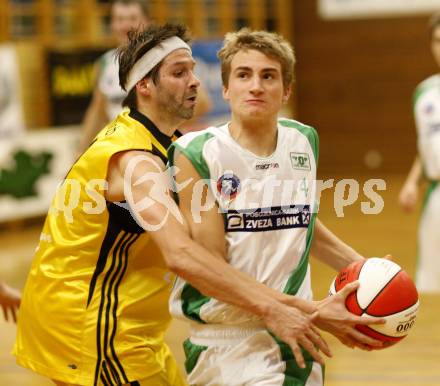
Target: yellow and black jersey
95, 304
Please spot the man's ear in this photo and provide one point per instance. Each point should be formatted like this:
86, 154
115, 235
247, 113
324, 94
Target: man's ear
287, 93
143, 87
225, 92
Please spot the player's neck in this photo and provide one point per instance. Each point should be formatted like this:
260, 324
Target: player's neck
166, 125
257, 136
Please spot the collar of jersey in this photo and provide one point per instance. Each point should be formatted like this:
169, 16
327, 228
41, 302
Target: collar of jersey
162, 138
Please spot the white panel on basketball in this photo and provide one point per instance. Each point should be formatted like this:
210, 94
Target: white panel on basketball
332, 289
398, 324
372, 281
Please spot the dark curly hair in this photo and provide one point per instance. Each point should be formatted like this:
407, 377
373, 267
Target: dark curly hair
140, 42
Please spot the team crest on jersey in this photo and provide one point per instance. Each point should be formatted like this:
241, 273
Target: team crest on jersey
111, 130
429, 109
300, 161
228, 186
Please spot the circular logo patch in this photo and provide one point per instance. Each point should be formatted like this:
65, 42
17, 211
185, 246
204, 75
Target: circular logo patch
228, 186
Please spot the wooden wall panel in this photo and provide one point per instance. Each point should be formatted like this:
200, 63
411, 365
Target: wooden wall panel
354, 83
34, 90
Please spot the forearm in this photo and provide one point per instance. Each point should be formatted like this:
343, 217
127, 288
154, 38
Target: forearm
415, 173
214, 277
93, 122
95, 119
329, 249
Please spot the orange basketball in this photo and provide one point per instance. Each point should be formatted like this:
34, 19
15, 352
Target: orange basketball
385, 291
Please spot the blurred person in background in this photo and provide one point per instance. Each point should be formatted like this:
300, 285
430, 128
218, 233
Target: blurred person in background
11, 111
9, 301
108, 95
426, 105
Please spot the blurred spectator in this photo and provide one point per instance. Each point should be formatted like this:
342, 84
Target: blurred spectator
11, 115
108, 95
427, 163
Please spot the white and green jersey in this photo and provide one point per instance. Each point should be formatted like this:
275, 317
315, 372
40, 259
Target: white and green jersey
427, 117
268, 206
108, 84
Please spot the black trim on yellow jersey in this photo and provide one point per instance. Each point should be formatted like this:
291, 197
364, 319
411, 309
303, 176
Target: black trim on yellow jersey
105, 375
126, 221
120, 219
112, 274
158, 153
109, 239
123, 262
162, 138
99, 362
106, 353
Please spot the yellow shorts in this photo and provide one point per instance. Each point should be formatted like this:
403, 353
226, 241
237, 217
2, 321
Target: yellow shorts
170, 376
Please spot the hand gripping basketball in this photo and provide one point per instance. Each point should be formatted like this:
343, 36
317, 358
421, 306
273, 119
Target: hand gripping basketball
385, 291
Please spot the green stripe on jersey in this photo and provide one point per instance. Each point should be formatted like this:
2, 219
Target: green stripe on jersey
298, 274
293, 374
429, 190
426, 85
192, 354
192, 301
194, 152
308, 131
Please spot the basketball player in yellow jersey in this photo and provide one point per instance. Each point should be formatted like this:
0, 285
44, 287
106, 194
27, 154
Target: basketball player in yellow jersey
95, 305
94, 308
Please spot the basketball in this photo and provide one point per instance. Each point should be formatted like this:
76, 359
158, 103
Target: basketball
385, 291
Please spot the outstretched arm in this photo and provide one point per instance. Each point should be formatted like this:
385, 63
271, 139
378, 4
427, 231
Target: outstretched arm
95, 119
409, 193
329, 249
333, 316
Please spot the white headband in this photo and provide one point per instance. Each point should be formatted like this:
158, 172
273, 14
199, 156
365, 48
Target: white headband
151, 58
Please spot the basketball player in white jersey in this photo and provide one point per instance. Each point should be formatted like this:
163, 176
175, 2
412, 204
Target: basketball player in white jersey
250, 200
426, 104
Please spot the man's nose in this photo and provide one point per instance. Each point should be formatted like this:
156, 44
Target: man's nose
194, 82
256, 85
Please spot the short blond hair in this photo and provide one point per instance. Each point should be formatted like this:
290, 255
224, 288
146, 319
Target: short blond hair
271, 44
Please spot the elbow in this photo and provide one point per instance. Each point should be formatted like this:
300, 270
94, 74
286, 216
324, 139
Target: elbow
176, 258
